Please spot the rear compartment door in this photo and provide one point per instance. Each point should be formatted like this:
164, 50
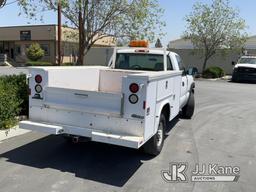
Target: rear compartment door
83, 101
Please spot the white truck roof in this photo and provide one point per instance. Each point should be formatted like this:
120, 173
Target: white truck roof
249, 56
159, 51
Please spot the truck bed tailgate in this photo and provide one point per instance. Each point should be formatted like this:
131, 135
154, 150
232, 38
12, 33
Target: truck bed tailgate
83, 101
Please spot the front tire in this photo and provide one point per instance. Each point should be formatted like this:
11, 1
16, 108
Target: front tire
188, 110
155, 144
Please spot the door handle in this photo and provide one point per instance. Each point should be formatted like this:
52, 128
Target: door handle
81, 95
166, 85
183, 83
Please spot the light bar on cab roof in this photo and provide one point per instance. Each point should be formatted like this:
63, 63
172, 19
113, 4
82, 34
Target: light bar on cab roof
139, 43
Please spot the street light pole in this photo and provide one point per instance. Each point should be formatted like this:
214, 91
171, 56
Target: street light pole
59, 32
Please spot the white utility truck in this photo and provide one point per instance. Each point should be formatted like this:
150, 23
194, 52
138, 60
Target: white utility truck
245, 69
127, 103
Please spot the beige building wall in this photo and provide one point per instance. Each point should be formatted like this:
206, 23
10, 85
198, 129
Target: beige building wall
15, 47
71, 35
21, 57
69, 52
194, 58
98, 56
38, 32
47, 36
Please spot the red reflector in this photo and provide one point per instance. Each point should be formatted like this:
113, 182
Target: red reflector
38, 78
134, 88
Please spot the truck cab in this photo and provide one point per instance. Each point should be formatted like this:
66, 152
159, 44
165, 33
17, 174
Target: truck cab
244, 69
127, 103
144, 59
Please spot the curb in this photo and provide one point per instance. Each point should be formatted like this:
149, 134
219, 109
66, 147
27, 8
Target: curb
12, 132
225, 78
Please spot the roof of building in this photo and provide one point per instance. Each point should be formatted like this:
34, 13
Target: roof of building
41, 25
187, 44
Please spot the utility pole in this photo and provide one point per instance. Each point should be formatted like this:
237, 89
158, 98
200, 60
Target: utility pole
59, 32
81, 50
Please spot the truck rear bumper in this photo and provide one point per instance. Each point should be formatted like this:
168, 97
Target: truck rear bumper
97, 136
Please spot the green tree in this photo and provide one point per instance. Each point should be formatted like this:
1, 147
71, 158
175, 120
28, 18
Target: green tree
215, 26
97, 19
35, 52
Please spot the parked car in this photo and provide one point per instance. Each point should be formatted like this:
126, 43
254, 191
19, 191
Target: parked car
244, 69
127, 103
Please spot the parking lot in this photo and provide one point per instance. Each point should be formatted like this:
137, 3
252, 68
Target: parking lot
222, 131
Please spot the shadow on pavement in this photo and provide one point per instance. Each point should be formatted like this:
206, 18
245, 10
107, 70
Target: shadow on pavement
172, 124
103, 163
243, 82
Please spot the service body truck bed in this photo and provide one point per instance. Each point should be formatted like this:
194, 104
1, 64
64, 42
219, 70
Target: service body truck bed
108, 104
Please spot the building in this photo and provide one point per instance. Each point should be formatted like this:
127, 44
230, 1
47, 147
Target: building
15, 40
194, 58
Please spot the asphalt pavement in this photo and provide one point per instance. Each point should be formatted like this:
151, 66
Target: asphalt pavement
222, 131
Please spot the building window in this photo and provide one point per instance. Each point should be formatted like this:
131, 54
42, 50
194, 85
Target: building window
46, 49
25, 35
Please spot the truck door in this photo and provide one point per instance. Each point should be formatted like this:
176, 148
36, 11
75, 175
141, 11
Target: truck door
184, 82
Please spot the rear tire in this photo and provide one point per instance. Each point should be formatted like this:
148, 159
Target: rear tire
188, 110
155, 144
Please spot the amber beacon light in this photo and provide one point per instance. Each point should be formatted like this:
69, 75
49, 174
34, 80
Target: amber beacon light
139, 43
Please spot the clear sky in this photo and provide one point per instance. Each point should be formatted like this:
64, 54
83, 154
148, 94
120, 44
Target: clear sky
175, 11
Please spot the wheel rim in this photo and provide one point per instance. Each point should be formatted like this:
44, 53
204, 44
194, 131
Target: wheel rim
159, 135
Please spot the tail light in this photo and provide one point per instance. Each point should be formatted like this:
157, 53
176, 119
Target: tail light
38, 87
134, 88
133, 99
38, 78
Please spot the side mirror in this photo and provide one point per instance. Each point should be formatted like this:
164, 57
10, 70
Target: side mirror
184, 72
192, 71
233, 63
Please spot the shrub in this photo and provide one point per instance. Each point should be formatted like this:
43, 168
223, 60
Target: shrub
35, 52
13, 99
213, 72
